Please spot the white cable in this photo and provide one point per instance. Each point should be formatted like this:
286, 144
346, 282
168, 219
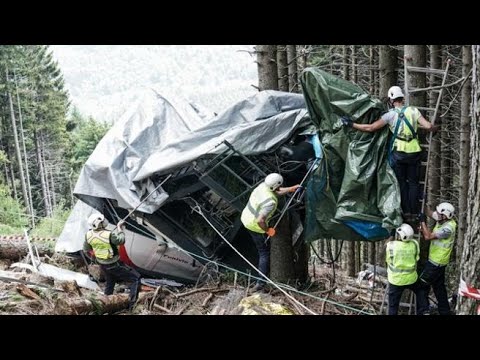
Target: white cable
199, 211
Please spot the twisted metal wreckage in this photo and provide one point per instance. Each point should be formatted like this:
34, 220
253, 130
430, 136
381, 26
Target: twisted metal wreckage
210, 163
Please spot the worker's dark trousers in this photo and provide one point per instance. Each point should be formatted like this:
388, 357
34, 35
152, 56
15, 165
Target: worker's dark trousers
395, 294
407, 170
433, 275
263, 254
119, 272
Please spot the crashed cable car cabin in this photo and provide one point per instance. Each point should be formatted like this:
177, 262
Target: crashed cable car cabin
210, 164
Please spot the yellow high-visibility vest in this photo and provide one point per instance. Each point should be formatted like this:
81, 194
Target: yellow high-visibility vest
259, 197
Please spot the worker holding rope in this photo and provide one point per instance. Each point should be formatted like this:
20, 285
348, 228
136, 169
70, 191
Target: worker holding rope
255, 216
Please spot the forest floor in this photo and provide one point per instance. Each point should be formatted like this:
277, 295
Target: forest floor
25, 292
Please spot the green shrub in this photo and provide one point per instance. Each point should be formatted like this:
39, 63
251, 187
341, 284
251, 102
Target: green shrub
12, 213
52, 226
10, 230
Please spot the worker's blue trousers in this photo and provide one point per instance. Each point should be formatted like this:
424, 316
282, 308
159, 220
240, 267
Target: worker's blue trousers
434, 276
263, 253
407, 170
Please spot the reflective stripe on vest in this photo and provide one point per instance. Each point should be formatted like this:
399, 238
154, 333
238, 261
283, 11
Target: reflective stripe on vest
260, 196
406, 141
402, 262
100, 243
441, 249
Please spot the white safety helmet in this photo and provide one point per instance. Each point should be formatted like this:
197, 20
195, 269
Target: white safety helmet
395, 92
405, 232
446, 209
97, 220
273, 181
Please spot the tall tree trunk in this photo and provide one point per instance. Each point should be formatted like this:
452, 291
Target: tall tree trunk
302, 256
267, 67
464, 148
302, 58
371, 62
416, 55
41, 171
334, 247
7, 177
292, 68
446, 154
17, 148
282, 67
354, 64
470, 264
281, 253
365, 258
321, 248
22, 139
52, 189
371, 253
45, 173
346, 68
434, 166
351, 258
388, 68
14, 186
358, 256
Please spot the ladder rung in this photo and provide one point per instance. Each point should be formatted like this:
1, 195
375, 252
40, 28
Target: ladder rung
425, 70
422, 182
423, 163
425, 108
424, 146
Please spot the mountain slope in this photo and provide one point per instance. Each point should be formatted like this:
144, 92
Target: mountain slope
104, 80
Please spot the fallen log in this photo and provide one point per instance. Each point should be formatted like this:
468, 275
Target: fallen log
98, 304
16, 250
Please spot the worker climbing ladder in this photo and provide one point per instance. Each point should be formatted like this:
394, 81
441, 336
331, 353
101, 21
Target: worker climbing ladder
439, 89
431, 113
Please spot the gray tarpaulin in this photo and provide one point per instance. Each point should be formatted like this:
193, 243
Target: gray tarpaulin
73, 234
161, 134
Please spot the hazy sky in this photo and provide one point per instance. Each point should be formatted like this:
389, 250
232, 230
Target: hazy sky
104, 80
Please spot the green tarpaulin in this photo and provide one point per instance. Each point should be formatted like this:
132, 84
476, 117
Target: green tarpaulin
353, 194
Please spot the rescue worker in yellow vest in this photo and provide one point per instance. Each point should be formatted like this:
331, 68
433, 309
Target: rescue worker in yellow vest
105, 244
404, 122
441, 239
255, 216
402, 255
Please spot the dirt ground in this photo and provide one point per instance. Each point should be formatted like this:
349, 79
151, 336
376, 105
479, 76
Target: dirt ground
30, 293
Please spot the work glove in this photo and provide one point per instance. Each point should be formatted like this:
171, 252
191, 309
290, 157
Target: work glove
270, 232
434, 129
294, 188
346, 121
421, 217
